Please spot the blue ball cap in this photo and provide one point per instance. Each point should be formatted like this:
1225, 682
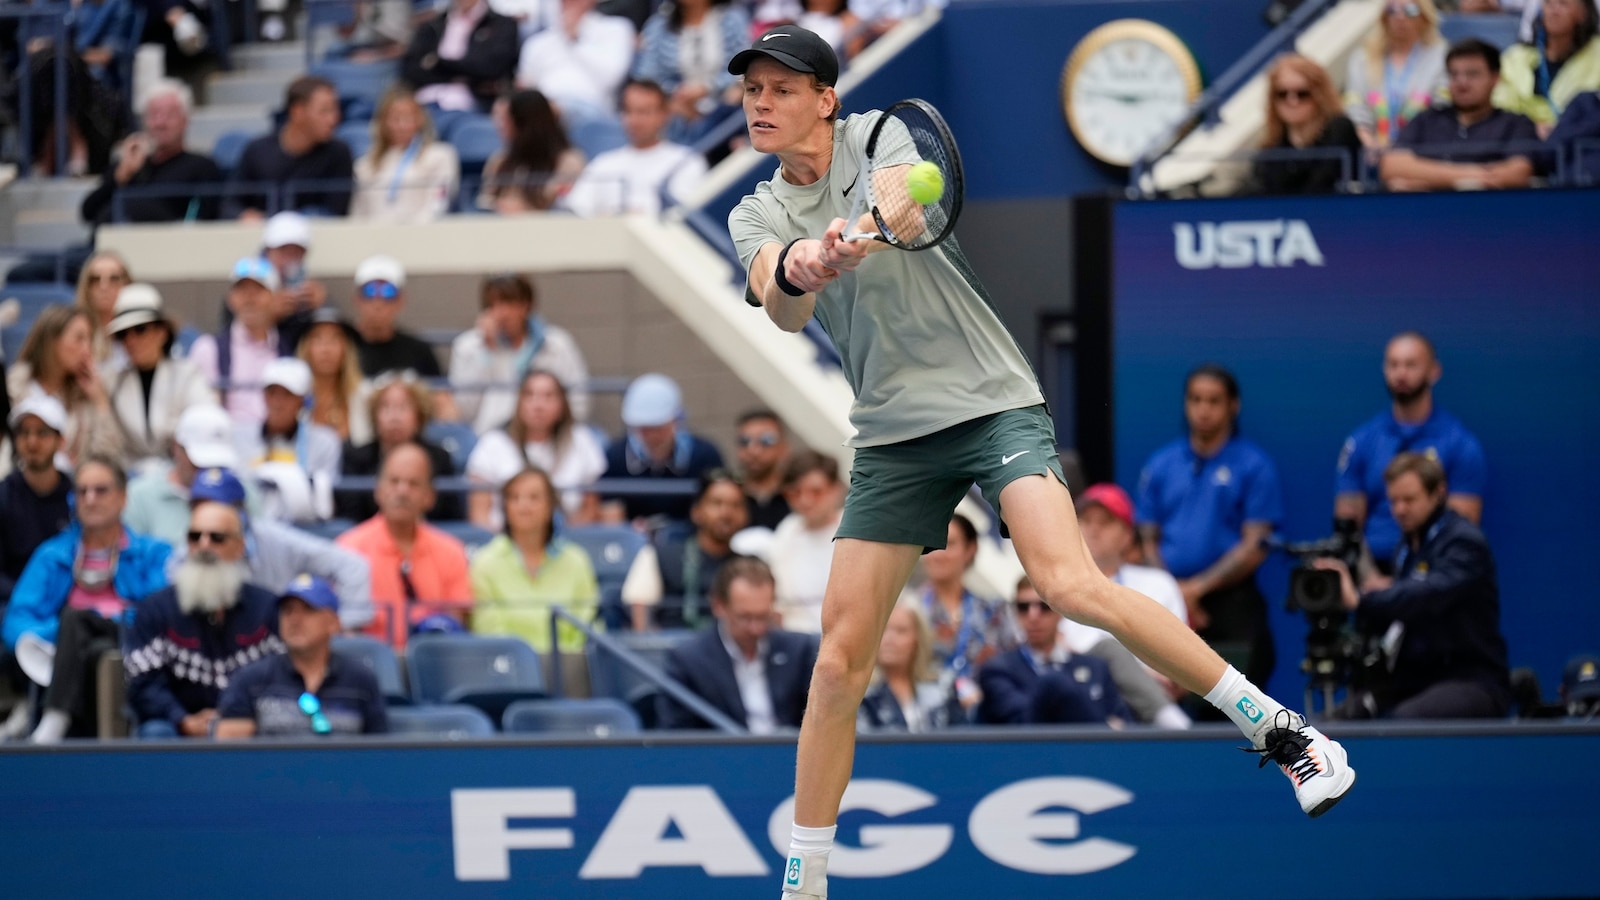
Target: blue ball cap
312, 591
219, 485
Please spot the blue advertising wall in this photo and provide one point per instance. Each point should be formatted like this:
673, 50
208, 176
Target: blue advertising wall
1508, 287
1478, 814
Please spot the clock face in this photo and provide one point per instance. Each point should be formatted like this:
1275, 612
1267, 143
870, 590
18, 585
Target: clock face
1125, 86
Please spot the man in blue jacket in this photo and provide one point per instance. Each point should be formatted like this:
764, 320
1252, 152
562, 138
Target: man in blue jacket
75, 592
1042, 682
188, 640
1438, 618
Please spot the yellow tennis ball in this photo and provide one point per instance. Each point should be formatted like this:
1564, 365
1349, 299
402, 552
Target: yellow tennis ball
925, 183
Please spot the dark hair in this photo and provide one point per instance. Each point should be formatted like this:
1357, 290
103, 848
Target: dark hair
301, 89
645, 84
537, 140
1413, 336
1422, 465
118, 473
758, 415
509, 285
745, 568
675, 14
714, 477
965, 526
807, 461
549, 492
1467, 47
1583, 33
1230, 386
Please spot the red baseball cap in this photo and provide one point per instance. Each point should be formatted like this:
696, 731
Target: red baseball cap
1113, 498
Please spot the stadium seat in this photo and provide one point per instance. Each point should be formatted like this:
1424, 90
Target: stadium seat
327, 530
490, 673
357, 135
610, 677
611, 550
467, 533
603, 717
1499, 30
444, 120
31, 300
597, 135
475, 141
352, 79
456, 438
229, 148
380, 658
450, 722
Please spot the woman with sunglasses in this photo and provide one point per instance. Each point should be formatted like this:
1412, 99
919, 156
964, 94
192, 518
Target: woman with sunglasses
399, 408
542, 434
153, 389
57, 359
103, 275
338, 392
1304, 129
1398, 72
1539, 78
906, 694
523, 573
967, 629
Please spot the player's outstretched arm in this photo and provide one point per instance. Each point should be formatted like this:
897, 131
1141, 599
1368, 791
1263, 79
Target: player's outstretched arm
803, 270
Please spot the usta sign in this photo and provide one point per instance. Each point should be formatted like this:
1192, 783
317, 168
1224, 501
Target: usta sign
1020, 826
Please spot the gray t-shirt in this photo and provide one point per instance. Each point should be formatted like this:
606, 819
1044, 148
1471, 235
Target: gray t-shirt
922, 345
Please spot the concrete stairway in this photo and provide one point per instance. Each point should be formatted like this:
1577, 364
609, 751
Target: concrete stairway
244, 99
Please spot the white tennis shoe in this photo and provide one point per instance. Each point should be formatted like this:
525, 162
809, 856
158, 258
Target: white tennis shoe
805, 877
1315, 764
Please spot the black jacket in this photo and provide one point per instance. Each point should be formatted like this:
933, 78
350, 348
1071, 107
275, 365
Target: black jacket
703, 665
1446, 597
486, 69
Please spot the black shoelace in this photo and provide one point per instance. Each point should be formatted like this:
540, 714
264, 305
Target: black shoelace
1286, 745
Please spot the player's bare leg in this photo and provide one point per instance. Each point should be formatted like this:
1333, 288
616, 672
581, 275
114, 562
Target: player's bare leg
1044, 529
863, 583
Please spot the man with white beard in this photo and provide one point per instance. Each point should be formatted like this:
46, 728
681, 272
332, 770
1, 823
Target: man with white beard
188, 640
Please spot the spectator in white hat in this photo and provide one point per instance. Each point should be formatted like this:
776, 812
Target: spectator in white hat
158, 498
234, 359
296, 457
153, 389
382, 345
285, 242
656, 445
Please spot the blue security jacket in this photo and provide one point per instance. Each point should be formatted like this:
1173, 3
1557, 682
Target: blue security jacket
42, 590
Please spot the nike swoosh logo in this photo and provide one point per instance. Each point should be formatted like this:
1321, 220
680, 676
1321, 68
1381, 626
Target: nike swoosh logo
851, 186
1006, 460
768, 37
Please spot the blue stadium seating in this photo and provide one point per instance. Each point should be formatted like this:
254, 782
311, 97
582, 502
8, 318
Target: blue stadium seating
600, 717
467, 533
229, 148
475, 141
357, 135
596, 136
609, 677
444, 120
456, 438
1499, 30
328, 530
490, 673
450, 722
611, 549
379, 657
31, 300
363, 80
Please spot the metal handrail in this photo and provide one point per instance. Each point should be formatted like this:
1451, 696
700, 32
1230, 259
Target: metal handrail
1207, 109
611, 487
668, 685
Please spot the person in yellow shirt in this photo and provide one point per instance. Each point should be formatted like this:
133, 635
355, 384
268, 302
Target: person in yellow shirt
1539, 79
520, 575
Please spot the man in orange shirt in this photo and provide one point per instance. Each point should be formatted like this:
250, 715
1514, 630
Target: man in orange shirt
416, 568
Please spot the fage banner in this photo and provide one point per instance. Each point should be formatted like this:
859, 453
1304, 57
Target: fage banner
1082, 814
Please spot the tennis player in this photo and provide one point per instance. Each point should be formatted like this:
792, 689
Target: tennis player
944, 398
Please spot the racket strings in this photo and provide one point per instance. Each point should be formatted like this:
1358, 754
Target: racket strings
907, 223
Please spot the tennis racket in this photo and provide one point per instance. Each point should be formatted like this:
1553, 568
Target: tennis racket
909, 133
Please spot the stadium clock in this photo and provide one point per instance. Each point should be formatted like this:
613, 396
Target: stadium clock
1124, 85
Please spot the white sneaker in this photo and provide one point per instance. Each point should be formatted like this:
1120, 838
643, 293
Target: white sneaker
1315, 764
805, 877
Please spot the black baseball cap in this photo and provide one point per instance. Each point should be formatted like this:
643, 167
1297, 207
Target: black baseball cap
795, 47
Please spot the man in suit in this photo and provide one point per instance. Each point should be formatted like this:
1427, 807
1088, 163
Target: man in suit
1042, 682
757, 674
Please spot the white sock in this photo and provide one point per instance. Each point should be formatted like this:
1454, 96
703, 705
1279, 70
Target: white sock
1246, 705
807, 868
1170, 716
52, 727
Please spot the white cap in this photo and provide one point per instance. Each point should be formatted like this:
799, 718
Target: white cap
652, 399
287, 229
44, 407
137, 304
254, 268
206, 435
381, 268
290, 373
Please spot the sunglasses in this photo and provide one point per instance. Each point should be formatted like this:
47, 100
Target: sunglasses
137, 330
1300, 94
765, 440
1026, 606
380, 290
311, 706
215, 537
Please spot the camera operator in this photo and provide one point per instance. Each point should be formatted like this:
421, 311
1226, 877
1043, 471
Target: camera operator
1438, 618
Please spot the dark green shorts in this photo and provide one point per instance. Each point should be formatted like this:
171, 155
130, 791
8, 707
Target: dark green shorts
905, 493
